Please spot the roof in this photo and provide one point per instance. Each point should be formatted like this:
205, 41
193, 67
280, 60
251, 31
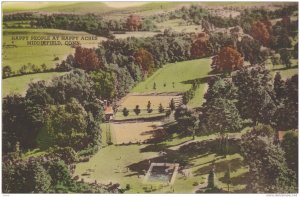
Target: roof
280, 135
109, 110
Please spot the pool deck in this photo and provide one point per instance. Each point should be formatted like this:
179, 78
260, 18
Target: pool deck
172, 165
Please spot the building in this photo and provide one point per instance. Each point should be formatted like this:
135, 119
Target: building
108, 111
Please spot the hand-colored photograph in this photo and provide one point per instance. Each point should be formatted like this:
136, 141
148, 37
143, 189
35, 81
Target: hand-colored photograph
150, 97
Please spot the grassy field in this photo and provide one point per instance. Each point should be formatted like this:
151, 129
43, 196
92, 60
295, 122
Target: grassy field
285, 73
178, 25
20, 84
17, 53
180, 73
127, 164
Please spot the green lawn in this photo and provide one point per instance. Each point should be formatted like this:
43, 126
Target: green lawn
20, 84
178, 25
285, 73
17, 53
128, 164
181, 73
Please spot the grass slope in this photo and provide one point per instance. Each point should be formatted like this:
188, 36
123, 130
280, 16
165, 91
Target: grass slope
20, 84
181, 73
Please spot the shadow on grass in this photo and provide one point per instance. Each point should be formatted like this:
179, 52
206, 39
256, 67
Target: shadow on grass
221, 166
184, 156
200, 80
154, 148
284, 68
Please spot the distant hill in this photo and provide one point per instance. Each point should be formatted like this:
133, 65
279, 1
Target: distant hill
65, 7
103, 8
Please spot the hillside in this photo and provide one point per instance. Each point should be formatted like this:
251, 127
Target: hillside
109, 8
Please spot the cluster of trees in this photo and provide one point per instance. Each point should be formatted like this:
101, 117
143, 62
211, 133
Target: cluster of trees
161, 109
249, 98
26, 69
65, 112
253, 98
90, 23
39, 175
272, 170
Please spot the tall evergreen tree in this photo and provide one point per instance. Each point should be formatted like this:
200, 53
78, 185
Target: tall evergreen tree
279, 87
255, 95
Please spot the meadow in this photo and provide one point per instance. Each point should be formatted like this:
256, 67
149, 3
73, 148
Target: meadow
17, 53
19, 84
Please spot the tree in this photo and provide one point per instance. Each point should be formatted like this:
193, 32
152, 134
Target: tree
285, 56
104, 84
59, 172
42, 180
295, 53
221, 115
172, 105
149, 110
283, 41
87, 59
250, 49
144, 59
275, 59
227, 177
206, 26
279, 87
267, 166
66, 126
185, 119
137, 110
220, 88
125, 112
255, 94
290, 146
201, 47
211, 178
286, 116
161, 108
133, 22
6, 70
259, 31
227, 60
